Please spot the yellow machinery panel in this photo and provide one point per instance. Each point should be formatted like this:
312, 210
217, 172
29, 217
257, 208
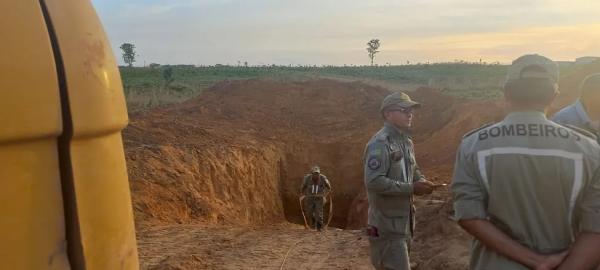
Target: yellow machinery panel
100, 224
32, 229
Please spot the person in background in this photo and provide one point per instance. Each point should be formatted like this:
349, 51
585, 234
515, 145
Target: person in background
585, 112
527, 188
315, 187
392, 178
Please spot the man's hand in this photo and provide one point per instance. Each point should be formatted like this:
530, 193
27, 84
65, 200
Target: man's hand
423, 187
584, 253
552, 262
503, 244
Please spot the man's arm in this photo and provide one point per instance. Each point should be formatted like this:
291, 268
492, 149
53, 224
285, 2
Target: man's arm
495, 239
417, 175
585, 253
377, 163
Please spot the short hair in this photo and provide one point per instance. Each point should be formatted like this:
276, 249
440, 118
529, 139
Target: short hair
531, 89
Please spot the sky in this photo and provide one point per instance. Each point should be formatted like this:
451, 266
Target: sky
335, 32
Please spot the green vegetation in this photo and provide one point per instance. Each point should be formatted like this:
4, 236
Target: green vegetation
157, 85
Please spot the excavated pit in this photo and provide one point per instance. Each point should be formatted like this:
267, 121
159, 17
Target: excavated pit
235, 157
237, 154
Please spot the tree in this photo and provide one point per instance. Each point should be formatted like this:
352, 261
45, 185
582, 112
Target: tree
167, 74
128, 53
372, 49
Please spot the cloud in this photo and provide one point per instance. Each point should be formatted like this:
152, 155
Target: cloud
559, 43
335, 31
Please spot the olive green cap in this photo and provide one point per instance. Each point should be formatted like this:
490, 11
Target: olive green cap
398, 99
533, 66
315, 169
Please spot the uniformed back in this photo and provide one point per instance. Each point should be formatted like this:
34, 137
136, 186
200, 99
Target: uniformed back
533, 171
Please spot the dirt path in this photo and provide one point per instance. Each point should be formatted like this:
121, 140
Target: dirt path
200, 247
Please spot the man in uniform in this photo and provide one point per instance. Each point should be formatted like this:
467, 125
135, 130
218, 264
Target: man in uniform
585, 112
526, 188
315, 187
392, 177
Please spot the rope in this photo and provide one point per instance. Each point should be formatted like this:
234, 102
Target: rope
330, 210
330, 207
288, 253
302, 209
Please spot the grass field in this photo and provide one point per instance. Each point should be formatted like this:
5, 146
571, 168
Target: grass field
145, 87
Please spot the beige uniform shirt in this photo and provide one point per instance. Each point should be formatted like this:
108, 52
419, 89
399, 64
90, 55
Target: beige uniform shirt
309, 188
535, 180
390, 170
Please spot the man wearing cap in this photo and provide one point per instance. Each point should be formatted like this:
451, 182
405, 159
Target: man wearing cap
585, 112
315, 187
392, 177
526, 188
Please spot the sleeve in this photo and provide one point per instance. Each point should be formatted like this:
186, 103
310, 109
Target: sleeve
468, 192
377, 164
417, 175
590, 206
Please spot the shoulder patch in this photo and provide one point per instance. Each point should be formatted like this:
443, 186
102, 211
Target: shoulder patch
374, 163
477, 129
582, 131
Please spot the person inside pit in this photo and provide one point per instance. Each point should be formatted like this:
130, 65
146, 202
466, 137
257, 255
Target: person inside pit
315, 188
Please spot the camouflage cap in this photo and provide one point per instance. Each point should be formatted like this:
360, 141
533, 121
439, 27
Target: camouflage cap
315, 169
398, 99
533, 66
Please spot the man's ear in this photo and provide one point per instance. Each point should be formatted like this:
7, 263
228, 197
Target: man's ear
556, 93
385, 114
552, 98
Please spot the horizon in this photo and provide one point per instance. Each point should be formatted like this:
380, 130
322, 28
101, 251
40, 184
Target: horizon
283, 33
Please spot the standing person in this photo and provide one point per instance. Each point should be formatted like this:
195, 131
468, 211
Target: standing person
585, 112
392, 177
315, 187
526, 188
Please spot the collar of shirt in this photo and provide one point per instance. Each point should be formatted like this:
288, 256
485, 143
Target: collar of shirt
582, 113
525, 116
396, 132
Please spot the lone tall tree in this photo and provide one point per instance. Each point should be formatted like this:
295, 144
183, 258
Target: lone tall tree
372, 49
128, 53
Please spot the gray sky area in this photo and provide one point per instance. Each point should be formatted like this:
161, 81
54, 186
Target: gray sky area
335, 32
